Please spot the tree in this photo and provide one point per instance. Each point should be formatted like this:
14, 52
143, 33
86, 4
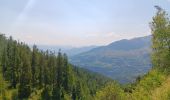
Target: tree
41, 69
46, 69
111, 91
51, 63
16, 63
59, 70
4, 62
58, 81
24, 90
67, 73
34, 66
2, 44
10, 61
160, 28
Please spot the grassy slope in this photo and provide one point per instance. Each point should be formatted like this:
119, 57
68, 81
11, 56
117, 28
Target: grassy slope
154, 86
162, 92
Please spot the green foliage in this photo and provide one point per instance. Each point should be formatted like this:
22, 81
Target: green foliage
112, 91
143, 89
160, 27
26, 75
46, 94
5, 93
36, 74
155, 84
34, 66
2, 44
2, 87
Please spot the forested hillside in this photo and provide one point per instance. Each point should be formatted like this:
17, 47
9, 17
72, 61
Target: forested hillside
122, 60
35, 74
155, 85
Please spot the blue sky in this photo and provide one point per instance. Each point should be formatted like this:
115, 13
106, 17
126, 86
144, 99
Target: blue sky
77, 22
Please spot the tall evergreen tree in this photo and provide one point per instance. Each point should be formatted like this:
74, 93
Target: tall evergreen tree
46, 69
41, 69
24, 90
4, 61
34, 66
58, 82
15, 65
59, 69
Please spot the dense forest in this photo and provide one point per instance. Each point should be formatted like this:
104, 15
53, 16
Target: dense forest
29, 73
35, 74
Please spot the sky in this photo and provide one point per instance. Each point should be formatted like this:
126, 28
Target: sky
77, 22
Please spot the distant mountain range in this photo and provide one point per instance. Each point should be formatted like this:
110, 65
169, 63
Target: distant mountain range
70, 51
122, 60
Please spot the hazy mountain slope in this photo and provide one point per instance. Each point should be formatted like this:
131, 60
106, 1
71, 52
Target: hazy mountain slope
122, 60
78, 50
70, 51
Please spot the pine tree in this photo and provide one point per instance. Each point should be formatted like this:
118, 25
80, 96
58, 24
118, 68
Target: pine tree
46, 69
4, 61
24, 90
11, 71
34, 66
58, 90
66, 72
68, 75
59, 69
15, 58
51, 67
9, 64
41, 70
2, 44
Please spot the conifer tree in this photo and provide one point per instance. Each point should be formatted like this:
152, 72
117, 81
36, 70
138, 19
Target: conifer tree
41, 70
58, 82
59, 69
4, 61
15, 65
34, 66
24, 90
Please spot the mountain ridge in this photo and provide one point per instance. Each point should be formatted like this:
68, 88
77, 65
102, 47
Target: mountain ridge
115, 60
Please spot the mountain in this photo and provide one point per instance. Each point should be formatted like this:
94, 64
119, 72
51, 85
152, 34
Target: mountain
69, 50
75, 51
122, 60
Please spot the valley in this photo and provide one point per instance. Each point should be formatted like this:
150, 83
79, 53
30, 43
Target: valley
84, 50
122, 60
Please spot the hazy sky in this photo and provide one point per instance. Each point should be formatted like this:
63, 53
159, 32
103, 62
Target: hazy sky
77, 22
